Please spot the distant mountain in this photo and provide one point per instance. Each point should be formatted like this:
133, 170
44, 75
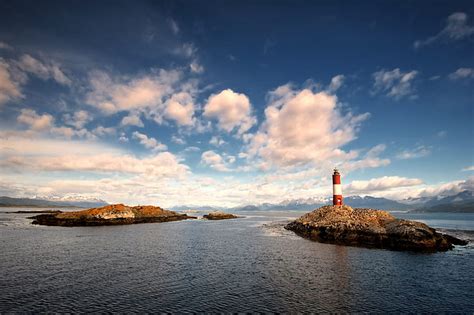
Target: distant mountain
312, 203
449, 204
57, 202
375, 203
456, 207
461, 202
199, 208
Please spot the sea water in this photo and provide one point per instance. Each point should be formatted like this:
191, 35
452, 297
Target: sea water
240, 265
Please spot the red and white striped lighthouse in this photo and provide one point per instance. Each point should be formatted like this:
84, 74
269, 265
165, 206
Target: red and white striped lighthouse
336, 188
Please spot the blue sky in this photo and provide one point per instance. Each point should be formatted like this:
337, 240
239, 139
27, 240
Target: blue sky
226, 103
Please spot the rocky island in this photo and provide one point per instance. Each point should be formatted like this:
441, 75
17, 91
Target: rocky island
219, 215
370, 228
110, 215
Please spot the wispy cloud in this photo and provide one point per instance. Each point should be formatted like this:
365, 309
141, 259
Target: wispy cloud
462, 73
375, 185
456, 28
336, 82
418, 152
149, 142
395, 83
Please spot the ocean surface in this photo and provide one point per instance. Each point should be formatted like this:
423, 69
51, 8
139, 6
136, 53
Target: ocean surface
241, 265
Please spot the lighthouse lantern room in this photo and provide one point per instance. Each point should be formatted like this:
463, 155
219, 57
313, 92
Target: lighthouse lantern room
336, 188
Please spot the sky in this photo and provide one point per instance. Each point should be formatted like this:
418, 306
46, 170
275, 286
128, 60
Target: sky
227, 103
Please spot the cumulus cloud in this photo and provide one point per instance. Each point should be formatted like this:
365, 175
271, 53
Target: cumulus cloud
5, 46
395, 83
217, 141
196, 67
231, 110
112, 95
180, 108
149, 142
303, 127
9, 87
214, 160
375, 185
336, 82
79, 119
34, 121
418, 152
133, 119
456, 28
158, 95
462, 73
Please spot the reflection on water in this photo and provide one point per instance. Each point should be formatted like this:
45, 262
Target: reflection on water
241, 265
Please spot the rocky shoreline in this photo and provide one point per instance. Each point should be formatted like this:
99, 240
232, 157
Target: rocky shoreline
110, 215
219, 215
370, 228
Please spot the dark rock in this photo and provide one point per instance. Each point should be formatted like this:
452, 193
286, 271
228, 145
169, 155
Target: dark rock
218, 215
370, 228
110, 215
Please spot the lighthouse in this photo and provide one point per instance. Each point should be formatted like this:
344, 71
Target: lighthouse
336, 188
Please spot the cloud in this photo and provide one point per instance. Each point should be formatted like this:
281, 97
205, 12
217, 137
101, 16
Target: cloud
173, 26
468, 169
214, 160
192, 149
43, 70
103, 131
418, 152
187, 50
133, 119
15, 73
395, 83
217, 141
9, 87
370, 160
231, 110
196, 67
462, 73
443, 189
442, 134
178, 140
180, 108
268, 45
456, 28
112, 95
375, 185
123, 137
149, 142
5, 46
336, 82
303, 127
79, 119
163, 164
34, 121
158, 95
